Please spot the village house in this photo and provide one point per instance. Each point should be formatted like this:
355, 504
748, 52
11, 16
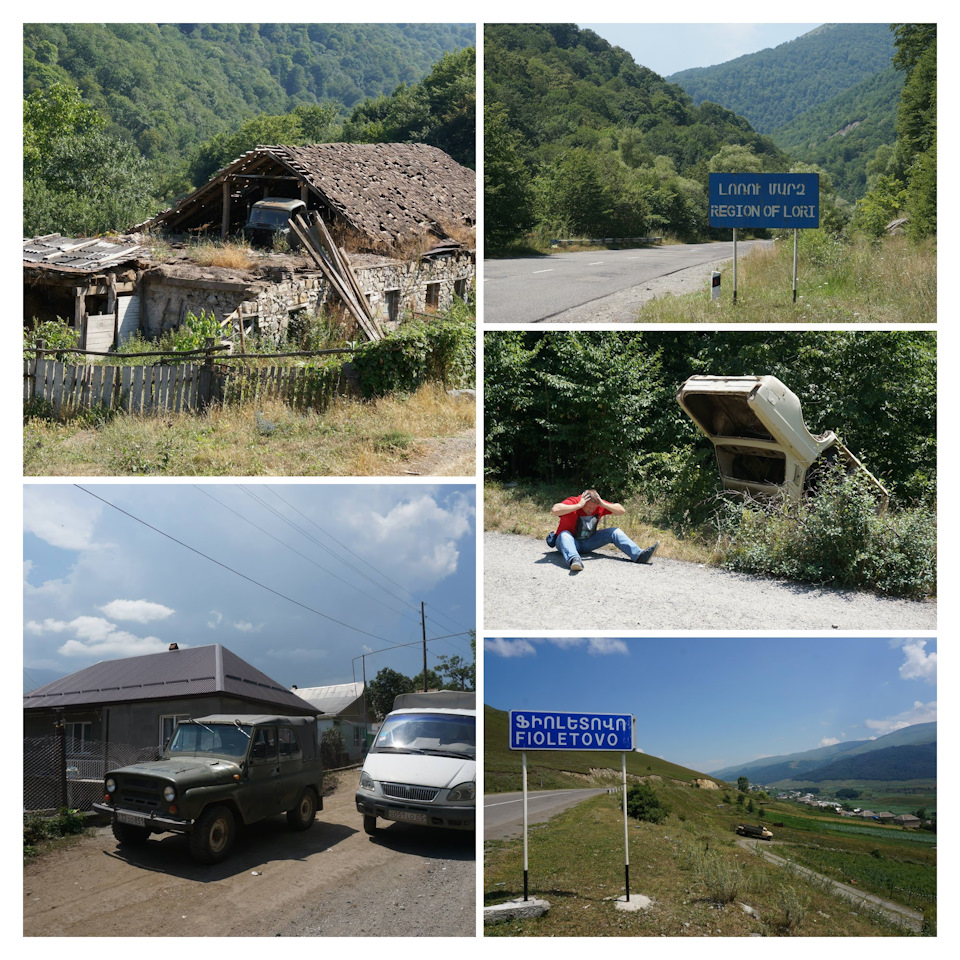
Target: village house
341, 707
405, 212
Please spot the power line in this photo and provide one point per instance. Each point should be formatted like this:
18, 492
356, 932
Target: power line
237, 573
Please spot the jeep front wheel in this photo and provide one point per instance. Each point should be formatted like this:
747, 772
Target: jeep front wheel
212, 836
301, 816
369, 824
129, 835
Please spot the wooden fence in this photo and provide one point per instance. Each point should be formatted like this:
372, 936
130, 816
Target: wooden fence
173, 387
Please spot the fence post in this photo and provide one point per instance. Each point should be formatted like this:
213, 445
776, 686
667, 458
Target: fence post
61, 734
206, 378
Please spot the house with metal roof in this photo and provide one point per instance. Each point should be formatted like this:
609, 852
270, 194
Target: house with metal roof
341, 707
137, 700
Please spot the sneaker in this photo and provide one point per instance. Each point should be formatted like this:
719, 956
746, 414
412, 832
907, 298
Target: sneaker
576, 565
647, 555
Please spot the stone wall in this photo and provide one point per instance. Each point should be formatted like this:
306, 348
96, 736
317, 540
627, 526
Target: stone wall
265, 303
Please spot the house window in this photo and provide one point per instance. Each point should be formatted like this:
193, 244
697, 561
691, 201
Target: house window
168, 724
357, 735
433, 296
78, 737
460, 288
392, 298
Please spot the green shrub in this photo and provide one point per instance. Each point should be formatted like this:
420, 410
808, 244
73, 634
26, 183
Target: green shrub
442, 349
55, 334
838, 537
643, 803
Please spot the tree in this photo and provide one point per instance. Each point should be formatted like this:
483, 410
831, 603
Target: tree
384, 689
507, 197
332, 748
458, 674
743, 784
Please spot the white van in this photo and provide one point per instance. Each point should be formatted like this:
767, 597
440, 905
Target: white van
422, 767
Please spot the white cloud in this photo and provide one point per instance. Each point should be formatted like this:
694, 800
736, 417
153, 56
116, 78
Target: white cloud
140, 611
96, 638
217, 619
64, 522
501, 647
244, 626
918, 664
919, 713
596, 646
828, 742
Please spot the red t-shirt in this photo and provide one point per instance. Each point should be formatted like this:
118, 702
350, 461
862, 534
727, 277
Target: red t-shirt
569, 520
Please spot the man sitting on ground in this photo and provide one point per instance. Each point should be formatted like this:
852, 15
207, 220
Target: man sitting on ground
577, 531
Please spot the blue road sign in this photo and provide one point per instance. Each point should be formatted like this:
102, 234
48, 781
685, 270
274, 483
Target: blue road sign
772, 200
550, 730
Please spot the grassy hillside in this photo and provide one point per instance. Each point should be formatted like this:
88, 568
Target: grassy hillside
699, 877
567, 768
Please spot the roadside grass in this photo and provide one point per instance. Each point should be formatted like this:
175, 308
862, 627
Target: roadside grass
696, 876
351, 438
854, 282
525, 510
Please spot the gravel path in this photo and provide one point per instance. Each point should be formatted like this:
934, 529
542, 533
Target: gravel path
527, 587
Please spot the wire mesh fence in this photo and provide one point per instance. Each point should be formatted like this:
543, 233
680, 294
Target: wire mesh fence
56, 774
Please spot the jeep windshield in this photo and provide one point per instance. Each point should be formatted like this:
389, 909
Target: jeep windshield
211, 739
434, 734
264, 216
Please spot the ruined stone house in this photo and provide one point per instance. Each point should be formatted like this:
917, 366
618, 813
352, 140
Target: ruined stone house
405, 211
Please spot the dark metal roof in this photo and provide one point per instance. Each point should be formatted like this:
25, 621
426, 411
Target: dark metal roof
188, 672
80, 255
385, 191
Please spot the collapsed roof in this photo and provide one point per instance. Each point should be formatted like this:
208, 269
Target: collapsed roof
386, 192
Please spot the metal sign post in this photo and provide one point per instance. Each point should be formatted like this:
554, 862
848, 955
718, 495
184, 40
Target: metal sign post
553, 730
769, 201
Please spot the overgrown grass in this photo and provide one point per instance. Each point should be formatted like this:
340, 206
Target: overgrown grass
838, 281
698, 879
39, 831
351, 438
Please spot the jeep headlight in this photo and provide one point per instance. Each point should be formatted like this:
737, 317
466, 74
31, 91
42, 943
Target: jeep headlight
169, 794
463, 793
110, 785
366, 782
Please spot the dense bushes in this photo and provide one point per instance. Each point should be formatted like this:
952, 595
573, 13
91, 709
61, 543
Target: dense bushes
37, 828
643, 803
839, 537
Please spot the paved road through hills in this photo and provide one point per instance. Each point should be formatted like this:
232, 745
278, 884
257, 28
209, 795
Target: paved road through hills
596, 284
503, 812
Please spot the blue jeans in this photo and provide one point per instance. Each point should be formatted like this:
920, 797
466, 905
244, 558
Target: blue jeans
571, 547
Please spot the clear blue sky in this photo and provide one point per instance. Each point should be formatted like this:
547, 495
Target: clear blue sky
99, 585
706, 703
667, 48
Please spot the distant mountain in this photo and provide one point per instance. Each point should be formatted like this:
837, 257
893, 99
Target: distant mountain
911, 762
774, 86
808, 764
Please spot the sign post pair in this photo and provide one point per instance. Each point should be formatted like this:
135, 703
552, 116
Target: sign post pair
771, 201
554, 730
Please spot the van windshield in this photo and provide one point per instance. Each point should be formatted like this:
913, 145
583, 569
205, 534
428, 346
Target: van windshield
436, 734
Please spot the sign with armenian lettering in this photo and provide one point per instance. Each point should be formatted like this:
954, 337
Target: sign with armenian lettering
550, 730
769, 200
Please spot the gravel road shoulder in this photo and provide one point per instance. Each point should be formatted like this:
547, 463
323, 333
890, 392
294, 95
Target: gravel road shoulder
331, 880
527, 587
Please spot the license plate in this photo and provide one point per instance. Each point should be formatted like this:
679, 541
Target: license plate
131, 818
411, 816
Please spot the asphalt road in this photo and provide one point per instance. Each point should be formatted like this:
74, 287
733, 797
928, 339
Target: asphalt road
600, 284
503, 812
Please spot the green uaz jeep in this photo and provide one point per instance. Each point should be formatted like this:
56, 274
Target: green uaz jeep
217, 773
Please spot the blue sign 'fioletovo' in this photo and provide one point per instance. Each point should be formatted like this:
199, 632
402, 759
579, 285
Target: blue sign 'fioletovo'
769, 200
550, 730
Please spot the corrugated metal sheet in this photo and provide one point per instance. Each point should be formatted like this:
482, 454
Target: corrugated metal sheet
79, 255
334, 699
190, 671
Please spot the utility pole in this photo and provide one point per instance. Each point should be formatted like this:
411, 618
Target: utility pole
423, 627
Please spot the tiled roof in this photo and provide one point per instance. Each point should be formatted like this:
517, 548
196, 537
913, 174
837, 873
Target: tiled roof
385, 191
191, 671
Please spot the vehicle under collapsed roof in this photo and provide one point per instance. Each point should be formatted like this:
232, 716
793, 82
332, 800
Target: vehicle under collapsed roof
763, 446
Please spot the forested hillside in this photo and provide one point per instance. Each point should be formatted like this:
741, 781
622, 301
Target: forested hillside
580, 140
772, 87
844, 134
121, 120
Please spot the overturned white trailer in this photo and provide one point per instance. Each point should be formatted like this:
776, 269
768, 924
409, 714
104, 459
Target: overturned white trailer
756, 426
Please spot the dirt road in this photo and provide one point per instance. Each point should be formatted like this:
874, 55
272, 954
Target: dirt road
527, 587
892, 911
332, 880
